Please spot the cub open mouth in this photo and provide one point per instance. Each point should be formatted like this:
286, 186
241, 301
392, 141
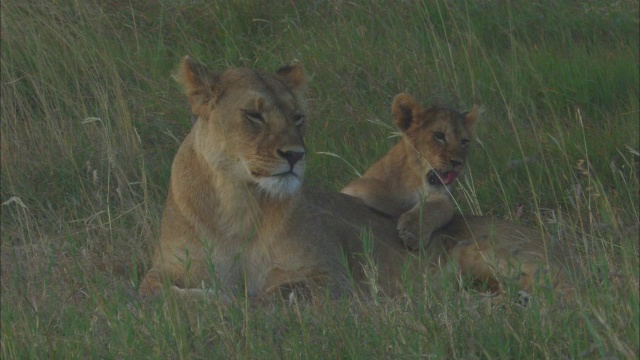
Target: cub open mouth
441, 178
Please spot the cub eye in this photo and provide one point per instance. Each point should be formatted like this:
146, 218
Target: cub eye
465, 142
298, 120
254, 116
439, 136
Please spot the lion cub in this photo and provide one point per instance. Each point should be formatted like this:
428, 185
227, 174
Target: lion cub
430, 157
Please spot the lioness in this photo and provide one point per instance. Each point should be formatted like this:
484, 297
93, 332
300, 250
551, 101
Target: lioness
238, 218
411, 181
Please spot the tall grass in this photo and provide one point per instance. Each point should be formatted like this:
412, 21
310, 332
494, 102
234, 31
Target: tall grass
90, 121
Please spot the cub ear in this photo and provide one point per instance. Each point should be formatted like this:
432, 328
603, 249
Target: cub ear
292, 75
199, 84
406, 111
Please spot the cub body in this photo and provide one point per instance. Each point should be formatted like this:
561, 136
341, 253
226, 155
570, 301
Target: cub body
411, 182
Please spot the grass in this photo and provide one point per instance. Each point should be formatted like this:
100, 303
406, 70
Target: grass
91, 119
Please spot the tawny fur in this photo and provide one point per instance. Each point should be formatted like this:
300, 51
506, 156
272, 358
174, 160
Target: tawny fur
432, 140
225, 231
488, 250
495, 253
238, 219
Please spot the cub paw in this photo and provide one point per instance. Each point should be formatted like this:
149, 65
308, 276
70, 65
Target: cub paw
413, 234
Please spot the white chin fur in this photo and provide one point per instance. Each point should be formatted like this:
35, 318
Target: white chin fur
280, 186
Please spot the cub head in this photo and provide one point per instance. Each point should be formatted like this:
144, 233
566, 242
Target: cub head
250, 124
439, 138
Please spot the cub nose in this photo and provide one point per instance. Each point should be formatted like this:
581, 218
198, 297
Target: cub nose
291, 156
455, 163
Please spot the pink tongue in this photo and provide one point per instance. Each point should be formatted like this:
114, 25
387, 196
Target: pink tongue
449, 177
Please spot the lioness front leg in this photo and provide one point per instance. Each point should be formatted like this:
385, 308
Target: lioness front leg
154, 281
416, 225
151, 284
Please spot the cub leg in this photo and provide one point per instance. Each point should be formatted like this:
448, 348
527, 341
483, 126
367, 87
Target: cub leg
376, 194
416, 225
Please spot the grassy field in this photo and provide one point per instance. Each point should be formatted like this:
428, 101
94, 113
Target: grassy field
91, 119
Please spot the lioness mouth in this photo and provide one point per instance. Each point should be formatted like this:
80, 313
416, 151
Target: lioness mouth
282, 174
286, 173
441, 178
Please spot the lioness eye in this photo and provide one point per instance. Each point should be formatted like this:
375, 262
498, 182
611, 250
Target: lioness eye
254, 116
439, 136
464, 142
298, 120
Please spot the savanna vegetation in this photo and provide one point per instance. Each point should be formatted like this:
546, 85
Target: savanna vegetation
91, 119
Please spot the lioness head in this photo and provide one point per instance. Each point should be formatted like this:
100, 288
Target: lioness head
252, 123
439, 136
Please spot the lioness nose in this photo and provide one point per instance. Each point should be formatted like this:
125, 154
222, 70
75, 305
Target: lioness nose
455, 163
291, 156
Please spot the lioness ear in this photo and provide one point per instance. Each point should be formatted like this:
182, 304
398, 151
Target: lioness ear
198, 83
406, 111
292, 75
471, 116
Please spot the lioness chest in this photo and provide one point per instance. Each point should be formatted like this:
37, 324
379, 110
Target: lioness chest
262, 255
